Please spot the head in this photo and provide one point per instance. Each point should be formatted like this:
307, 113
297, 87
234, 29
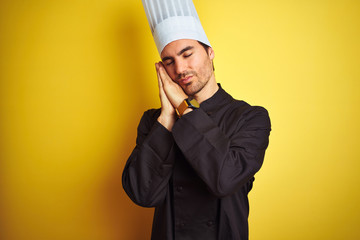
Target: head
189, 64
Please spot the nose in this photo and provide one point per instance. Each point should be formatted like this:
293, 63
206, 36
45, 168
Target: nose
180, 66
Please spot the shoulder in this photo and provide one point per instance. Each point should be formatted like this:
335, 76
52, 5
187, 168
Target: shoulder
152, 113
148, 118
249, 115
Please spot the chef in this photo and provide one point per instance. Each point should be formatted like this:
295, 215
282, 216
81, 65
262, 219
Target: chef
195, 157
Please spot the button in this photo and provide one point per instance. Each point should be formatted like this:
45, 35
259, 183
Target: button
210, 223
180, 224
179, 188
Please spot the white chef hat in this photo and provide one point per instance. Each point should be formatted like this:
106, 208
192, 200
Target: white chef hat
172, 20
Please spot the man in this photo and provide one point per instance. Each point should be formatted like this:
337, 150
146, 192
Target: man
195, 164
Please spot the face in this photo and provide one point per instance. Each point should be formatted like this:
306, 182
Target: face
189, 64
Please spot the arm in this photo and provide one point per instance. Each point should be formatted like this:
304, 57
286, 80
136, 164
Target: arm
149, 167
224, 162
147, 172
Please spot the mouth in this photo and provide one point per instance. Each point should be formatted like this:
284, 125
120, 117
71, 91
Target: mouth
185, 80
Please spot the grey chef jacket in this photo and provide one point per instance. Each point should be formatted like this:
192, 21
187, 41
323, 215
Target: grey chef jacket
198, 176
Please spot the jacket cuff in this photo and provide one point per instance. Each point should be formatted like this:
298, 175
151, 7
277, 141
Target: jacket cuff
159, 140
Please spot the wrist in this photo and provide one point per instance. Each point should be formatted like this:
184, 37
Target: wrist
166, 121
187, 111
186, 106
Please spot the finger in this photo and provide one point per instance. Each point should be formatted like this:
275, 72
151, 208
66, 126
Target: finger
164, 75
158, 75
162, 93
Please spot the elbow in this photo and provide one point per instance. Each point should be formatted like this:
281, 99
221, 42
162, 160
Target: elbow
143, 197
148, 202
225, 191
222, 191
228, 186
143, 201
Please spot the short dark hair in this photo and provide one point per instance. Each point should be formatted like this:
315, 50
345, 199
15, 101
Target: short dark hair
206, 47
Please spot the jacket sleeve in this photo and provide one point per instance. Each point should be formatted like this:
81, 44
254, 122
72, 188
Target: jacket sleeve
147, 172
225, 162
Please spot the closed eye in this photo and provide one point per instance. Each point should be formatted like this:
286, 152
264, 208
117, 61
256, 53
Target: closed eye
169, 63
187, 55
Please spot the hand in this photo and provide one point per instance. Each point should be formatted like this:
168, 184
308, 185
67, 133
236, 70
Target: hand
173, 91
167, 116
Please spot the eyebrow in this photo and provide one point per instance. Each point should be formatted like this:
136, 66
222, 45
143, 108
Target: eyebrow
179, 53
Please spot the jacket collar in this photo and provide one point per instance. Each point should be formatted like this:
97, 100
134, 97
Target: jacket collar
219, 98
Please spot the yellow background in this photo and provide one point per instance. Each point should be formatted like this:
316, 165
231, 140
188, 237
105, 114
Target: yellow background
76, 76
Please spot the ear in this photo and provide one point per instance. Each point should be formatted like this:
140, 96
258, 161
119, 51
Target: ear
211, 53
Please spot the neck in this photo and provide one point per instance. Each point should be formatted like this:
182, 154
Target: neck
208, 90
